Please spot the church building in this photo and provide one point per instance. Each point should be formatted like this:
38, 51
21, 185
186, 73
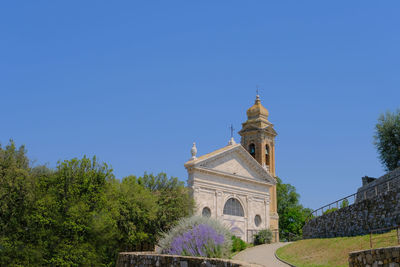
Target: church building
236, 183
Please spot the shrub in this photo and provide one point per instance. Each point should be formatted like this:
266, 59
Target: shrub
263, 237
238, 244
345, 203
197, 236
330, 210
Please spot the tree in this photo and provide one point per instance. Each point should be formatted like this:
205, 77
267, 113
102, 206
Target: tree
387, 139
16, 203
172, 197
292, 215
79, 214
74, 210
137, 209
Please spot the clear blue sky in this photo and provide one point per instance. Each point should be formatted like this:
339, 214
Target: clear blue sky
136, 82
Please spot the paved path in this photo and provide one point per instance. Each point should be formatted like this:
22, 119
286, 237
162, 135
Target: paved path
262, 254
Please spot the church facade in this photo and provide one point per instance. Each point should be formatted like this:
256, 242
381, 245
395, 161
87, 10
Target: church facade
236, 183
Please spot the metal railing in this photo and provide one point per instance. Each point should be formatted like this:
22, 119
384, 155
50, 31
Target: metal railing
363, 194
389, 239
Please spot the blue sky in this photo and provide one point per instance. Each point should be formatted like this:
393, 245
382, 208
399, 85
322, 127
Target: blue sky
136, 82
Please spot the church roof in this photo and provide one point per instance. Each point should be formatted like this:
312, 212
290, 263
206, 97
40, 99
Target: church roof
216, 152
205, 162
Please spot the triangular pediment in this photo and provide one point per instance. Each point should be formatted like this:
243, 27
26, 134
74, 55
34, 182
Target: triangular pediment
231, 163
233, 160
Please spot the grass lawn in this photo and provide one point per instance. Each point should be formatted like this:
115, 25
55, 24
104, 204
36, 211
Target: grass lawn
331, 251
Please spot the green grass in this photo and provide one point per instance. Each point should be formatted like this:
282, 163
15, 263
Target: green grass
331, 251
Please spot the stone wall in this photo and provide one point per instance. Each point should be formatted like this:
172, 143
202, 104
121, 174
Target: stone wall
144, 259
380, 211
387, 257
373, 187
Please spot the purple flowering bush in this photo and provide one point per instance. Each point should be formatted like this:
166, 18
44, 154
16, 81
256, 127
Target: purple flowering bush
202, 241
198, 236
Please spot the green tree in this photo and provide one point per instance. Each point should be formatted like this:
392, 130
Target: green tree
387, 139
74, 211
137, 209
79, 213
16, 203
292, 215
173, 199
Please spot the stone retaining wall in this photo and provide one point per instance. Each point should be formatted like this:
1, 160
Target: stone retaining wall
144, 259
372, 188
374, 213
389, 256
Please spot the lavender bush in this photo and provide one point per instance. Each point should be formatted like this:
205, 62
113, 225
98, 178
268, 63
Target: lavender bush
198, 236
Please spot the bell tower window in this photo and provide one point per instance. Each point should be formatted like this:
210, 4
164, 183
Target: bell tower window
252, 150
267, 155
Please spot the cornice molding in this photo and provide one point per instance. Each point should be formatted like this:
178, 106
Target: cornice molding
232, 176
219, 188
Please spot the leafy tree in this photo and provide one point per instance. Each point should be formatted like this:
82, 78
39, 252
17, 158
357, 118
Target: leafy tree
387, 139
137, 209
75, 210
16, 203
173, 199
292, 215
79, 213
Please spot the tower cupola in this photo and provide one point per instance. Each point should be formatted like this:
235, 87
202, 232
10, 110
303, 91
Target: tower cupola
257, 110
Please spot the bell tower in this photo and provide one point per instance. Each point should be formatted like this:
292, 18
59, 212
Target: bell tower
258, 138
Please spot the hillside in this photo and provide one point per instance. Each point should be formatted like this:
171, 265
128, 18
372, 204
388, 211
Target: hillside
332, 251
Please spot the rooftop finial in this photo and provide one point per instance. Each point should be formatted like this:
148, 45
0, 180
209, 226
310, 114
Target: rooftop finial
231, 141
232, 129
193, 151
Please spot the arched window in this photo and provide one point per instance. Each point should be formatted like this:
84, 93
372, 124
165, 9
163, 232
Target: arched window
206, 212
233, 207
267, 155
252, 150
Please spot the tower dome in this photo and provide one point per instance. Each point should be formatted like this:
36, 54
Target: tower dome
257, 110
